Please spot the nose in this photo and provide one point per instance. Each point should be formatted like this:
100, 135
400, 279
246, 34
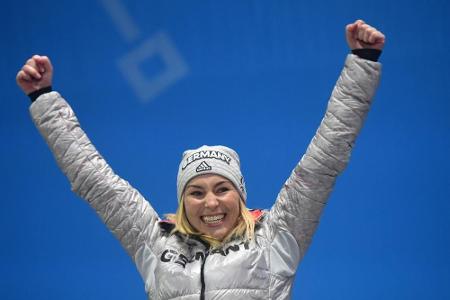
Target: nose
211, 201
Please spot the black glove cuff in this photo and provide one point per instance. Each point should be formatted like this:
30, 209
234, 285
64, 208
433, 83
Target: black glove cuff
366, 53
34, 95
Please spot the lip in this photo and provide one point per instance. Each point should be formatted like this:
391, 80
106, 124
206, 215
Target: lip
215, 224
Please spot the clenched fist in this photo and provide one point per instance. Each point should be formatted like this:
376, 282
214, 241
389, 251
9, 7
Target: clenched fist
361, 35
37, 73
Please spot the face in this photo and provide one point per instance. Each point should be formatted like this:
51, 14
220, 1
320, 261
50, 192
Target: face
212, 205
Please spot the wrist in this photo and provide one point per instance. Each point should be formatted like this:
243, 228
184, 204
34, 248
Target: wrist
34, 95
367, 53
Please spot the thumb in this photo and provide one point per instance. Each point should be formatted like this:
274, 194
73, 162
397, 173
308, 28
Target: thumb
350, 30
351, 27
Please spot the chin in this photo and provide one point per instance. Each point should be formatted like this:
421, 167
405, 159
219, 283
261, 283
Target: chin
217, 235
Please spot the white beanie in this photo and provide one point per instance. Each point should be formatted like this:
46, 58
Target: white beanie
219, 160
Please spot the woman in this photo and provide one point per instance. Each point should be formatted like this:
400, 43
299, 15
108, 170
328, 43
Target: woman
214, 247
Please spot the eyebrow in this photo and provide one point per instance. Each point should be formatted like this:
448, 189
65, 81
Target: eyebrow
194, 186
201, 187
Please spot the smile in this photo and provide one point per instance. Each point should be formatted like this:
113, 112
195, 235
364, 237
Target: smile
216, 219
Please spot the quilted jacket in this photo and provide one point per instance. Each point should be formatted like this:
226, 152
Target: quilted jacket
181, 267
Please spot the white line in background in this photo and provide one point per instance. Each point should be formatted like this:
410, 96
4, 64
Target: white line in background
124, 23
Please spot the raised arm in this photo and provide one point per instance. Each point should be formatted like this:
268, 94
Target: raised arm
126, 213
295, 215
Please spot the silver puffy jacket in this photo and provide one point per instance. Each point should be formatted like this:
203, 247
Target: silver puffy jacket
179, 267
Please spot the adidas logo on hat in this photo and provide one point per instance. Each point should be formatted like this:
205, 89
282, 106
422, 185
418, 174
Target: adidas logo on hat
203, 167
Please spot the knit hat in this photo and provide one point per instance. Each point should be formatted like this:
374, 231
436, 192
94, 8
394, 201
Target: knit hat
219, 160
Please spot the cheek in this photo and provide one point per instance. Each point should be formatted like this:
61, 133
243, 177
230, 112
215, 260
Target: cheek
234, 207
237, 211
191, 211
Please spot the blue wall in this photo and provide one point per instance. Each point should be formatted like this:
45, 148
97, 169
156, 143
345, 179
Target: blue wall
149, 79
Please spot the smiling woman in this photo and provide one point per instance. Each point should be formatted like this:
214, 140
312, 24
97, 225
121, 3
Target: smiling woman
212, 195
214, 247
212, 205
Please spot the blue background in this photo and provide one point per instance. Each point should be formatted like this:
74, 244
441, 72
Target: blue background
253, 75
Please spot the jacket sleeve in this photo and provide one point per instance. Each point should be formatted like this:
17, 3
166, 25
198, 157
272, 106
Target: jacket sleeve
121, 207
299, 204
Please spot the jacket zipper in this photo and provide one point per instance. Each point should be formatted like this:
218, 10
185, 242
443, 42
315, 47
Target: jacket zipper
202, 276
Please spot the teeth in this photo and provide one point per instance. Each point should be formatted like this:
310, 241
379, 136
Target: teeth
213, 219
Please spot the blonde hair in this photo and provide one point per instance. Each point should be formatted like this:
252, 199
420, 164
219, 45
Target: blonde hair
245, 227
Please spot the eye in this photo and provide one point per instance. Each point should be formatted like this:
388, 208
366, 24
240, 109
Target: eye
223, 189
196, 194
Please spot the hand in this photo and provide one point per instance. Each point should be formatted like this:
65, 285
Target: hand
361, 35
37, 73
